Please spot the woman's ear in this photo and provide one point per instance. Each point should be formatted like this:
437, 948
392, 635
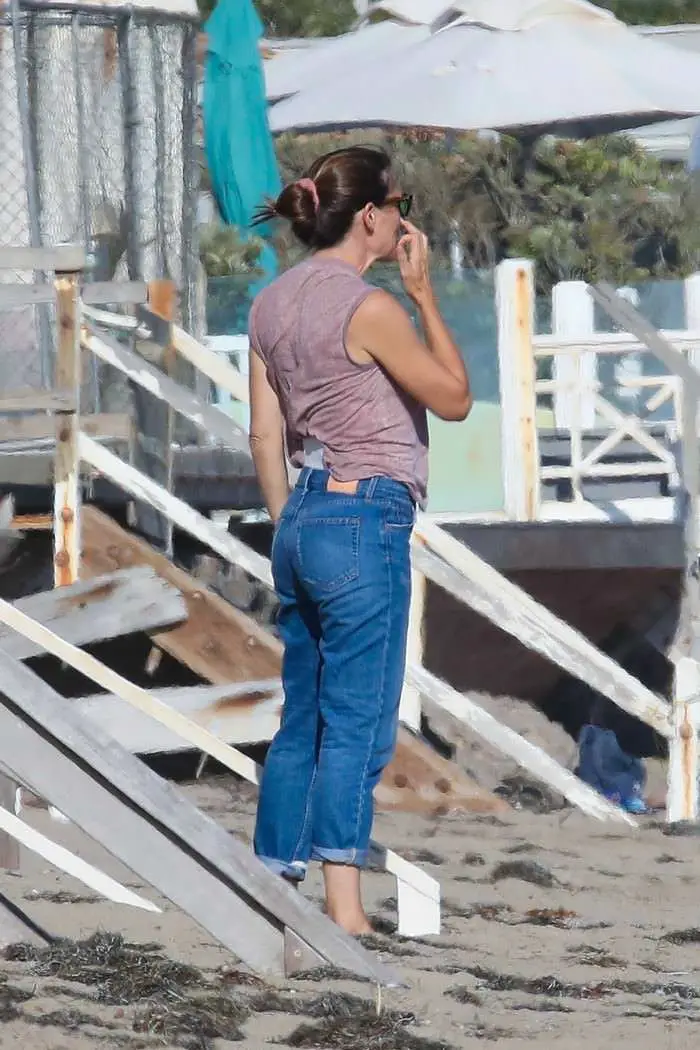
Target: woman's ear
369, 217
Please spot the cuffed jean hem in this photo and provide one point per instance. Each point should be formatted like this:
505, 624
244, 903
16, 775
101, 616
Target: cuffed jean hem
295, 870
356, 858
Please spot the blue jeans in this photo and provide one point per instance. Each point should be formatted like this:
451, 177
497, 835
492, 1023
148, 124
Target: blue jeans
341, 566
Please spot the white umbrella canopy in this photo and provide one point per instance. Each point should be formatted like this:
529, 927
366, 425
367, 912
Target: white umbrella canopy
522, 66
289, 72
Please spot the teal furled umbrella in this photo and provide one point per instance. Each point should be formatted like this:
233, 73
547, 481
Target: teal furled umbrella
237, 140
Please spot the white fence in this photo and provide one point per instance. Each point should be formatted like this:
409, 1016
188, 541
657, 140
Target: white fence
582, 409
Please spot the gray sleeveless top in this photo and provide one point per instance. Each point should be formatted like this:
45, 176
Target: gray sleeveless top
362, 421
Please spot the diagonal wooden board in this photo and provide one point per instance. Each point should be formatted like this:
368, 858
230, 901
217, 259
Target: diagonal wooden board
153, 829
105, 607
453, 566
225, 646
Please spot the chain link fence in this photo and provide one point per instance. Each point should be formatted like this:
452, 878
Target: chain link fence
97, 124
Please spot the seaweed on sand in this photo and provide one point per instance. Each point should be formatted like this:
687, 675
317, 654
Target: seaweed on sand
328, 1004
550, 986
362, 1032
691, 936
591, 955
526, 871
195, 1021
121, 972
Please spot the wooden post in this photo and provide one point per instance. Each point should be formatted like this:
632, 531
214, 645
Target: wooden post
575, 372
9, 846
682, 801
691, 290
154, 418
66, 515
515, 302
410, 706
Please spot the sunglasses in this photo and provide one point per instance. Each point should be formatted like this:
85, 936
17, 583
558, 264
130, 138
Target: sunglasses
404, 203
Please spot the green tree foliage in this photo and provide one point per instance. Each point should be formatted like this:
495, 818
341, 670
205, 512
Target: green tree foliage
223, 252
583, 210
654, 12
294, 18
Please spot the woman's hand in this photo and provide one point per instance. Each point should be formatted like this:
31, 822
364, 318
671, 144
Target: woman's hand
412, 255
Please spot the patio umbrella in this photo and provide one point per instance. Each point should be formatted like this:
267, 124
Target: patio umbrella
238, 146
520, 66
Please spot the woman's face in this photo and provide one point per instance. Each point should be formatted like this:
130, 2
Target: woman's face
388, 225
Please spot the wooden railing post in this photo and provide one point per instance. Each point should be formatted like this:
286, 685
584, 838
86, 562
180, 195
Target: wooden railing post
410, 706
576, 372
66, 517
9, 847
515, 308
691, 291
682, 803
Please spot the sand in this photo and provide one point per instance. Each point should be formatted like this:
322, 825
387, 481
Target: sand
597, 953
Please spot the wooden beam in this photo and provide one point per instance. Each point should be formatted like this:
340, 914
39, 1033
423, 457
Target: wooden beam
88, 665
510, 743
515, 307
236, 714
216, 641
104, 607
419, 780
154, 419
179, 512
66, 509
9, 847
38, 401
451, 565
114, 425
165, 389
61, 858
100, 292
62, 257
632, 321
211, 364
154, 829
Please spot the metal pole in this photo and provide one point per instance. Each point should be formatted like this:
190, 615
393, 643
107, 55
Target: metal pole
31, 182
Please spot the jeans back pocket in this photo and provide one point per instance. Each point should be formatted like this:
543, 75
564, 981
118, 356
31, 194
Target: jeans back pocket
328, 552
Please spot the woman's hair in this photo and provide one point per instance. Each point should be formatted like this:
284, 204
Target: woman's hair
321, 205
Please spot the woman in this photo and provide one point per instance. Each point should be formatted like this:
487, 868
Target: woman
339, 365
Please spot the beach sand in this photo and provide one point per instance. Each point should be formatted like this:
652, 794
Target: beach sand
555, 928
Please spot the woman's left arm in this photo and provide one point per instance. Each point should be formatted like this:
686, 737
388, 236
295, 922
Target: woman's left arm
266, 438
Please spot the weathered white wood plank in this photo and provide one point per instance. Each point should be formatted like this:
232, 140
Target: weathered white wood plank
213, 707
37, 401
453, 566
682, 798
41, 636
103, 607
179, 512
211, 364
66, 495
576, 374
156, 831
62, 858
9, 848
410, 706
515, 305
516, 747
166, 389
59, 258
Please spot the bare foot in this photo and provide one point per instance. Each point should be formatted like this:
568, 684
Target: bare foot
343, 900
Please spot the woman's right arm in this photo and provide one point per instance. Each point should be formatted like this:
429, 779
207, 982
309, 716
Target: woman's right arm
432, 371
